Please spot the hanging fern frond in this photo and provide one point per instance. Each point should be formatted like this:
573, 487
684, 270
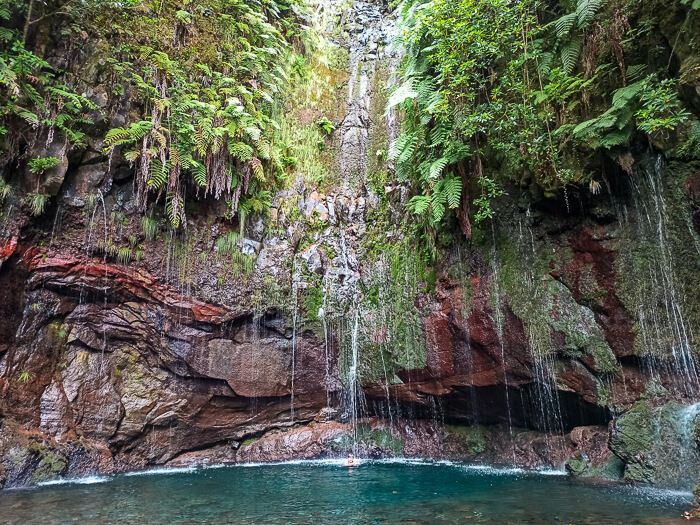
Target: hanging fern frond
175, 210
438, 211
198, 171
241, 151
404, 92
124, 136
437, 167
452, 189
419, 204
570, 53
158, 174
565, 24
257, 168
586, 10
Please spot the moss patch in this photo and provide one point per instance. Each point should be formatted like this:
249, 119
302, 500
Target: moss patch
473, 438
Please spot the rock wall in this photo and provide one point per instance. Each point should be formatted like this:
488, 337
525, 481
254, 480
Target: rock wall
549, 337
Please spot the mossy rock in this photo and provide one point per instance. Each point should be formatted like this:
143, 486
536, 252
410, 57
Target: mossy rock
248, 442
378, 438
473, 438
613, 469
577, 466
672, 266
51, 463
656, 444
547, 307
50, 467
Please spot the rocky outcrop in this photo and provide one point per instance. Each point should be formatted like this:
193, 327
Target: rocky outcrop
539, 341
139, 374
656, 443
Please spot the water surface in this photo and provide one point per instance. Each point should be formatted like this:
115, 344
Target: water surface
327, 493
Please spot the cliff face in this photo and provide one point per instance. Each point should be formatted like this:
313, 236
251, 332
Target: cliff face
555, 334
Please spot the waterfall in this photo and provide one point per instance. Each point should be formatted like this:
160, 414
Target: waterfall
322, 315
296, 277
665, 336
353, 378
542, 353
56, 224
499, 329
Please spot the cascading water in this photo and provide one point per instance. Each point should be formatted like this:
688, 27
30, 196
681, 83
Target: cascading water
322, 315
543, 355
499, 328
296, 282
466, 307
354, 378
343, 316
665, 336
689, 457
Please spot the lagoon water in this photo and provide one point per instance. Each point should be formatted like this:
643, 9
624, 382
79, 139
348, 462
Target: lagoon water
325, 492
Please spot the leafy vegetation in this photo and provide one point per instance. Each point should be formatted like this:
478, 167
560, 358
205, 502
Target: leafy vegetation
35, 102
36, 202
204, 79
501, 92
209, 88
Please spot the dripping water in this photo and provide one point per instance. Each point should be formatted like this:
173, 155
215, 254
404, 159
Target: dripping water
296, 282
499, 329
662, 324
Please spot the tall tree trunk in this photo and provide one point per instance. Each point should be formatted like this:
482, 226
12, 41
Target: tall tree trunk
27, 22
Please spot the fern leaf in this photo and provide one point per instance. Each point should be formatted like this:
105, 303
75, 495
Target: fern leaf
241, 151
419, 204
624, 95
438, 211
437, 167
257, 167
199, 173
157, 174
570, 53
586, 10
403, 93
564, 25
452, 189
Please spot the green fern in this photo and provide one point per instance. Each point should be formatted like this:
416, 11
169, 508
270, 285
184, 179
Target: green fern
41, 165
451, 187
565, 24
149, 226
174, 210
37, 203
227, 244
569, 30
158, 174
124, 136
419, 204
570, 53
241, 151
586, 11
258, 170
437, 167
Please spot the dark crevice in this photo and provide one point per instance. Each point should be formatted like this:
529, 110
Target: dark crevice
529, 406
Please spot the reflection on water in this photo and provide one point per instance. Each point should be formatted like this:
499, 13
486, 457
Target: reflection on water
326, 492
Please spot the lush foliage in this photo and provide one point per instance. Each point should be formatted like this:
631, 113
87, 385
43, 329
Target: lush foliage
33, 94
497, 92
205, 79
210, 89
35, 105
